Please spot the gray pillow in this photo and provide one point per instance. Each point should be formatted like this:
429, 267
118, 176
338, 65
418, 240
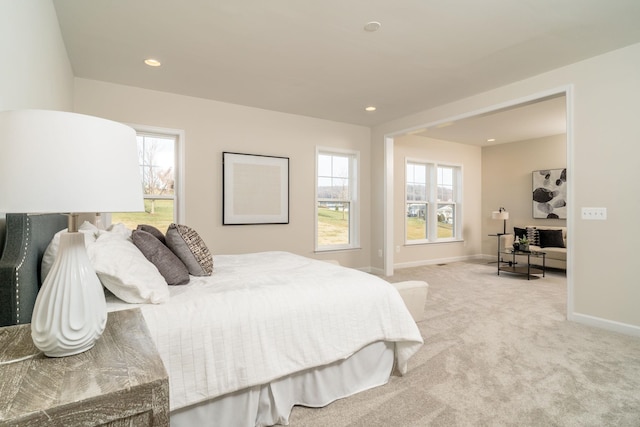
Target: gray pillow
190, 248
168, 264
153, 231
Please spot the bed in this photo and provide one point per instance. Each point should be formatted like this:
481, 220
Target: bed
265, 332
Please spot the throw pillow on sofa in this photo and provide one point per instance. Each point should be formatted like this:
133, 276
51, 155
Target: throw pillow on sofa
519, 232
551, 238
534, 236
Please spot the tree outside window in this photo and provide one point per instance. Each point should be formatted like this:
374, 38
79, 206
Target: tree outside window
157, 159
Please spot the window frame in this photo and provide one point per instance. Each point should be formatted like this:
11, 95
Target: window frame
425, 201
353, 200
179, 147
432, 202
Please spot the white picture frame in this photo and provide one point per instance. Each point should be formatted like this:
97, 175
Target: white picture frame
255, 189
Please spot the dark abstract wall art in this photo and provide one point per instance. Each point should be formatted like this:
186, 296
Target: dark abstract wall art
550, 193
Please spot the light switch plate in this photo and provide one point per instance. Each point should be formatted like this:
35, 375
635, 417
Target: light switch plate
594, 213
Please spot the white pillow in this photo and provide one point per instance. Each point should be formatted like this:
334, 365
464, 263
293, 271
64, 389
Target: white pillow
121, 229
125, 271
120, 265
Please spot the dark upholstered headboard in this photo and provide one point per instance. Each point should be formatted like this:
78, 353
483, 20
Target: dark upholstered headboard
1, 233
26, 239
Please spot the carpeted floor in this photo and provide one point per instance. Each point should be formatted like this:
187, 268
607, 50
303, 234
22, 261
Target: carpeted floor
498, 352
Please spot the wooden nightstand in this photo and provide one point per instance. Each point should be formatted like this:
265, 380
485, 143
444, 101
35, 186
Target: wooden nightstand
121, 381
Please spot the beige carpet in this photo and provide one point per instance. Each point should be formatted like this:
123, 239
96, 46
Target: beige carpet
499, 352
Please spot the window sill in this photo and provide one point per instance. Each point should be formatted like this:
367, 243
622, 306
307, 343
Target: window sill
437, 242
342, 249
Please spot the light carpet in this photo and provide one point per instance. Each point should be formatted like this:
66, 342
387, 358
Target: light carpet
498, 352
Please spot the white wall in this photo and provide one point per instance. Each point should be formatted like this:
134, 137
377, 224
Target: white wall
429, 149
35, 70
507, 182
603, 167
213, 127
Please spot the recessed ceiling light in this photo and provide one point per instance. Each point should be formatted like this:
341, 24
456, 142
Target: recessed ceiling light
152, 62
372, 26
370, 109
491, 140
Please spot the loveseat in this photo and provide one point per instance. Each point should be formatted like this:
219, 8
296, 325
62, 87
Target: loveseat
551, 240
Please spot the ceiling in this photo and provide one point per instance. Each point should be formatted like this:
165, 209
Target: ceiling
314, 58
532, 120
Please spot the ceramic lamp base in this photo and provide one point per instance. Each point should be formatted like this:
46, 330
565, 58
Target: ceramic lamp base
70, 312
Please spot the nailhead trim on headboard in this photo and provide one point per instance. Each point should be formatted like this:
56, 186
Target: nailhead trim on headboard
27, 238
24, 256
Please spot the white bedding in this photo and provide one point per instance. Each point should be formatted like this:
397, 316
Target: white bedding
262, 316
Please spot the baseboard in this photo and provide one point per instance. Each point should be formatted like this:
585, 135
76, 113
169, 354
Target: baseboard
380, 271
438, 261
374, 270
610, 325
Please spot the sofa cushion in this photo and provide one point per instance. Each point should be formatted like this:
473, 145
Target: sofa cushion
559, 254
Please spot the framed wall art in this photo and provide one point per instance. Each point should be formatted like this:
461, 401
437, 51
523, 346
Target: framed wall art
550, 193
255, 189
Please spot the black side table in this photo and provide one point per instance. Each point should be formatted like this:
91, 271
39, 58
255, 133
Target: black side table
498, 235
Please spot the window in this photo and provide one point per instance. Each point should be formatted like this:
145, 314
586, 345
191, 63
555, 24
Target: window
446, 211
432, 202
336, 200
157, 159
417, 201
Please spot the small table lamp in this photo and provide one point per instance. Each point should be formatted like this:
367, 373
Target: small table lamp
54, 161
501, 214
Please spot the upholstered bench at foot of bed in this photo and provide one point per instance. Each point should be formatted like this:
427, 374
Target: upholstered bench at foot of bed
414, 295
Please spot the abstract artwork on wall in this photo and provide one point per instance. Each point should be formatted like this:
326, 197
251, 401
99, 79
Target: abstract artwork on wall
255, 189
550, 193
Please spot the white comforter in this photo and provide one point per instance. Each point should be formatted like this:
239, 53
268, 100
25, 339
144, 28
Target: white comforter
263, 316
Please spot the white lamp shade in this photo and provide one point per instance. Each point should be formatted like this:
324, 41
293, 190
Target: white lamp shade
500, 215
54, 161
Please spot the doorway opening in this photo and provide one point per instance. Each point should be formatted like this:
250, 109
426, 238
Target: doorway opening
525, 114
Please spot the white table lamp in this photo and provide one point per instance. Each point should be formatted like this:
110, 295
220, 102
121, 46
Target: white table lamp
503, 215
54, 161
